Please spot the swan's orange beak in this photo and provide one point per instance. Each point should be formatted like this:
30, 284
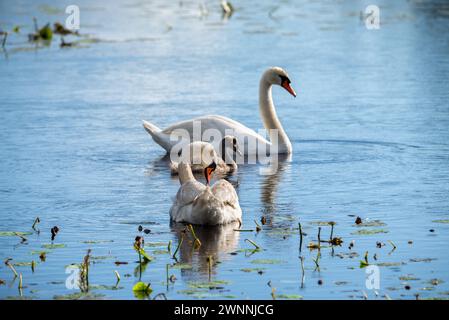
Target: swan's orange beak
286, 86
208, 172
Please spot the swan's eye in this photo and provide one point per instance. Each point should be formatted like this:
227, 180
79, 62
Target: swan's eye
284, 79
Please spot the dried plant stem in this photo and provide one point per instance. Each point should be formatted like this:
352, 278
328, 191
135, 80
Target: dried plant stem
300, 236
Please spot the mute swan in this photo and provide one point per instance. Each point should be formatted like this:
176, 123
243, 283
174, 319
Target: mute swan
226, 126
200, 154
197, 203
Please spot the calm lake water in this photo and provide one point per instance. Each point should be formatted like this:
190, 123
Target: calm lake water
369, 128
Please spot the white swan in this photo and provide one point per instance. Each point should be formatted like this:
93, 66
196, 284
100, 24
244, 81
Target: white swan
226, 126
197, 203
200, 154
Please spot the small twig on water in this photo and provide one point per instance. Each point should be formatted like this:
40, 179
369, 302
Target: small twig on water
169, 247
117, 275
300, 236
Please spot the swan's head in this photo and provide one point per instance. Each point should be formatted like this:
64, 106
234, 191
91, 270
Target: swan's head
278, 76
208, 171
230, 142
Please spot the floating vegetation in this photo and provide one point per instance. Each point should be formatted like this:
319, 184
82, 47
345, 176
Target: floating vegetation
142, 290
390, 264
248, 270
211, 285
445, 221
181, 266
408, 278
289, 296
323, 223
364, 263
80, 296
422, 259
371, 223
14, 234
156, 244
96, 241
364, 232
53, 246
267, 261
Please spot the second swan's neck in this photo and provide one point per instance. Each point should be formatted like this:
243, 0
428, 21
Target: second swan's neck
271, 120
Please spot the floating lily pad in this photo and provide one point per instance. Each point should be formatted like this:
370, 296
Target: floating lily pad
53, 246
267, 261
364, 232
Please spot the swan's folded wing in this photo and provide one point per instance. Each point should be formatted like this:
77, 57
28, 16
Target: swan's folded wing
224, 191
188, 192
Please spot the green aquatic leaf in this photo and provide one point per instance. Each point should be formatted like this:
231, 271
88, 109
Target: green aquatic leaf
142, 290
45, 32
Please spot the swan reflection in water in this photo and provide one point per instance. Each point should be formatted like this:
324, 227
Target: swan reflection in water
216, 241
270, 183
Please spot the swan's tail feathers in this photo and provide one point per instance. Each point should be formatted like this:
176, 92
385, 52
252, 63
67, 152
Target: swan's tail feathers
157, 135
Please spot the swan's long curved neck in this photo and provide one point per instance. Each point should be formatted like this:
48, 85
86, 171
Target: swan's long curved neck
278, 138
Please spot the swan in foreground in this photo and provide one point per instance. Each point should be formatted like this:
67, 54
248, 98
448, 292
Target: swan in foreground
200, 154
197, 203
280, 141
